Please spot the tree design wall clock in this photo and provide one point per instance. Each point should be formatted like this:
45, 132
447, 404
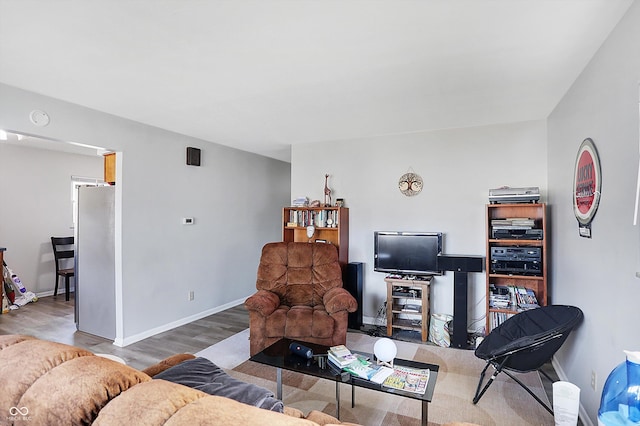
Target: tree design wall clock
587, 181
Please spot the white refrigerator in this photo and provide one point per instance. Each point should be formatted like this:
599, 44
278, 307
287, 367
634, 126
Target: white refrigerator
95, 261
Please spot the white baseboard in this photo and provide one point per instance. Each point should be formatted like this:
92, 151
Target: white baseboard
182, 321
50, 292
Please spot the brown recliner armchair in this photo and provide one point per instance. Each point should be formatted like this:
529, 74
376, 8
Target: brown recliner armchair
300, 296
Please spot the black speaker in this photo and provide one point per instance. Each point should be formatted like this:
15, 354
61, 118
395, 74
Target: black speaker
193, 156
299, 349
458, 263
353, 282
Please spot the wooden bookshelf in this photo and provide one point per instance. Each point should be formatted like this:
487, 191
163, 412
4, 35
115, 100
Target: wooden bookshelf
331, 226
538, 281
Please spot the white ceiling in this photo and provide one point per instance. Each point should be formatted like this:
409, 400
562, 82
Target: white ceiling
267, 74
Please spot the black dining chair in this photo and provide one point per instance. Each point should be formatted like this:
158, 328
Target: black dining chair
525, 342
63, 253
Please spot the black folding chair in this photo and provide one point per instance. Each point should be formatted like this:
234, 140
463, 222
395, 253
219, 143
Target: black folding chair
525, 342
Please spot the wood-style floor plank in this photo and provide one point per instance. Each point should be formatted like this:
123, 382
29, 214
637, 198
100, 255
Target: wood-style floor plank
52, 318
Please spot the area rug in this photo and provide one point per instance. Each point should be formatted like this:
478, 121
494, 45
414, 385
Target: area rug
504, 403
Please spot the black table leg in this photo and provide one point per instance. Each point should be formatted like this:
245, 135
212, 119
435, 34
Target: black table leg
338, 400
279, 383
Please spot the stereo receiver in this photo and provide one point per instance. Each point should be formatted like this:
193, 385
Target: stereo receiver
516, 260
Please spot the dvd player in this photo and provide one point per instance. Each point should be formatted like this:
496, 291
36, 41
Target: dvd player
517, 234
516, 267
516, 253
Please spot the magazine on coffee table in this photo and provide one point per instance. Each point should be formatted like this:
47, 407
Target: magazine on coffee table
365, 369
408, 379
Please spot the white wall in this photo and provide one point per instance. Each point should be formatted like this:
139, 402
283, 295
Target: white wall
598, 274
235, 197
36, 205
458, 167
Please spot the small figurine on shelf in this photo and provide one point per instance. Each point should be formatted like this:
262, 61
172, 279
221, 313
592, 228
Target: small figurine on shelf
327, 192
310, 231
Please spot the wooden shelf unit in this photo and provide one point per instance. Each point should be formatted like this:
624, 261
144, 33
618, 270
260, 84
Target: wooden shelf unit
538, 283
338, 235
396, 306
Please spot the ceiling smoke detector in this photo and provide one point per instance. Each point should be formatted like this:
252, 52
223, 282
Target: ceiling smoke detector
39, 118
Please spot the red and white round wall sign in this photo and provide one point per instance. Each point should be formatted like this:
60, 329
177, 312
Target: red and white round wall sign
586, 184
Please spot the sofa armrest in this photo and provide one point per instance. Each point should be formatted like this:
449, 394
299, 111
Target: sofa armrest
264, 302
338, 299
167, 363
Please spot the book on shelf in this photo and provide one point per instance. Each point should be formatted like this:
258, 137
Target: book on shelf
512, 297
318, 218
408, 379
500, 297
527, 299
497, 318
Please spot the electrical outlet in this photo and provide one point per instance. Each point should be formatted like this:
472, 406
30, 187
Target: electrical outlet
594, 380
191, 295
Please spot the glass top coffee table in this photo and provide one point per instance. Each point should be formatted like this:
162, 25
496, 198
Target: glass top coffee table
278, 355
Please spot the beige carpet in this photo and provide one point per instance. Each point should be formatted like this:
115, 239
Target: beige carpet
505, 403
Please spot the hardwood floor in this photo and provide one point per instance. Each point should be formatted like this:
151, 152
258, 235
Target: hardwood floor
52, 318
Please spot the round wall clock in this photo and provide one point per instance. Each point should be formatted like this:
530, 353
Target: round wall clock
410, 184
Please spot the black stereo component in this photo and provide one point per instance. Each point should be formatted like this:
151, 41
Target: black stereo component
193, 156
300, 350
353, 283
517, 234
516, 253
516, 267
458, 263
516, 260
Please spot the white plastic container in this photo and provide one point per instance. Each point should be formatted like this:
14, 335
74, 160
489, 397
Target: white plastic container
566, 403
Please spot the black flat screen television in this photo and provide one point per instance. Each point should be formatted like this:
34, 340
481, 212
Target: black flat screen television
407, 253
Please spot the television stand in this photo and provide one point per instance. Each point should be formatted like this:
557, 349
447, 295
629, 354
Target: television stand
408, 304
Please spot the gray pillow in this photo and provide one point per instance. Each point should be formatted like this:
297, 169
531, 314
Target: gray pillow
204, 375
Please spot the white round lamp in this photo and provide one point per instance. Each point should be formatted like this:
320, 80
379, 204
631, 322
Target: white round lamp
385, 351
